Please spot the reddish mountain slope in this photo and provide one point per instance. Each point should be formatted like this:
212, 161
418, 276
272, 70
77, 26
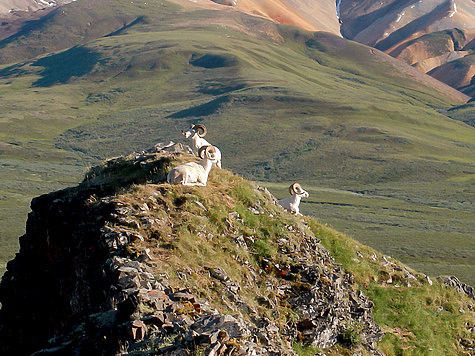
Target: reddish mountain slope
426, 34
307, 14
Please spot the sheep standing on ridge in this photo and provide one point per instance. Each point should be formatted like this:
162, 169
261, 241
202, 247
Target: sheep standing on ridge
292, 204
194, 173
196, 133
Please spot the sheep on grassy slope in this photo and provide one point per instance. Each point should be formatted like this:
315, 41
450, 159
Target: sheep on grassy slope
196, 133
292, 204
194, 173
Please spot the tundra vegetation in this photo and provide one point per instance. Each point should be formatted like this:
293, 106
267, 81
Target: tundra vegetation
307, 107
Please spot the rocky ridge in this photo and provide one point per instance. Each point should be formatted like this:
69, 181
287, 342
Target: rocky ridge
85, 282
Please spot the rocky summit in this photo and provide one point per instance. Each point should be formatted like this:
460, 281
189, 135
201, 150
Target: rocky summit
125, 263
101, 271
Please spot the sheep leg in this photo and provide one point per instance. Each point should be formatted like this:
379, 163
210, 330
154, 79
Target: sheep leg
188, 183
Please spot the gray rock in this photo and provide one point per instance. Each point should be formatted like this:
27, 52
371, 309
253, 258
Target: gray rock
459, 286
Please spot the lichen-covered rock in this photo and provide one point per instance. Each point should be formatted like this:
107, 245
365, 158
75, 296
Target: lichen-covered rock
459, 286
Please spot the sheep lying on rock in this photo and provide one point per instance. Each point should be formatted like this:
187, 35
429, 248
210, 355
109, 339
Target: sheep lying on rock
194, 173
292, 204
196, 133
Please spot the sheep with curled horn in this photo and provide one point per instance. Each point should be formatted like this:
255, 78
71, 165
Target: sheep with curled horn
194, 173
196, 133
292, 204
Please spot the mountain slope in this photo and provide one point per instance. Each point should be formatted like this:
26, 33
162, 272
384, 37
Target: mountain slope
7, 7
425, 34
302, 13
28, 34
19, 15
65, 26
282, 104
127, 263
386, 24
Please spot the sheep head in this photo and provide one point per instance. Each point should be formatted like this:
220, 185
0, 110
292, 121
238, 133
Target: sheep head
297, 189
195, 129
208, 152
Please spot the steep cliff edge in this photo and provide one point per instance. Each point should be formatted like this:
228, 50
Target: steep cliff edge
125, 263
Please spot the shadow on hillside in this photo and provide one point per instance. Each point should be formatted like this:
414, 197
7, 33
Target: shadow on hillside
120, 31
28, 27
60, 68
201, 110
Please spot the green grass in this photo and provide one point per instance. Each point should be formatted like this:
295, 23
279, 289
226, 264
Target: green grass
414, 314
282, 105
463, 113
419, 320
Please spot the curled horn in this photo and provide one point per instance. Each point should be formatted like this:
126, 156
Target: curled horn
211, 152
295, 188
208, 150
201, 150
201, 130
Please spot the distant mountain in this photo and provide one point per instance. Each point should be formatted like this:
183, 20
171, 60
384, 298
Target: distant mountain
16, 14
425, 34
11, 6
307, 14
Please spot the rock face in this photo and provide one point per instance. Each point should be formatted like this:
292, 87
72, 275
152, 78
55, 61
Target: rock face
226, 2
460, 287
84, 281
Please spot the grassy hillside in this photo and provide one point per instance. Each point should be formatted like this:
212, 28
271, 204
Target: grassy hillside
416, 233
281, 103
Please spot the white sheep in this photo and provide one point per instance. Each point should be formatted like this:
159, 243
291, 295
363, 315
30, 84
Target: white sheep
194, 173
292, 204
196, 133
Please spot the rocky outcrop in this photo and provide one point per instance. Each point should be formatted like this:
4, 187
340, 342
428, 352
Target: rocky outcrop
459, 286
85, 282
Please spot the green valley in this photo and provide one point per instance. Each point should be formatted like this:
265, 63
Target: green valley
281, 103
